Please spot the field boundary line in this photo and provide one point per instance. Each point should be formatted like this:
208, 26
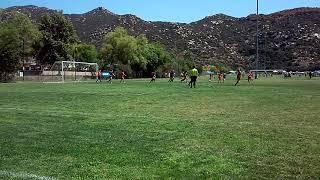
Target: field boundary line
24, 175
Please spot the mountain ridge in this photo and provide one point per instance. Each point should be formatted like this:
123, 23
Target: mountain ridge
304, 9
287, 39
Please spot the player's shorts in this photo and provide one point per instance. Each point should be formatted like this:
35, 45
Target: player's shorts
193, 78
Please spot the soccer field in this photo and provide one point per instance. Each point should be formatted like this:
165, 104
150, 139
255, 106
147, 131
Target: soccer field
270, 129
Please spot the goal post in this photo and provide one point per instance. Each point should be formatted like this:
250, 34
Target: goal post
72, 71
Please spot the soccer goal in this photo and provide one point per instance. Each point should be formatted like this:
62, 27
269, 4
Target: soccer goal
72, 71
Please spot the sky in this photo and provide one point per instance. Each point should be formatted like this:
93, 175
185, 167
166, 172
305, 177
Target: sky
168, 10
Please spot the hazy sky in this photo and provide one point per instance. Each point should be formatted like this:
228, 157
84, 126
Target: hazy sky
168, 10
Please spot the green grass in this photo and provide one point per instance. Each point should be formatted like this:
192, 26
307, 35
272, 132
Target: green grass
96, 131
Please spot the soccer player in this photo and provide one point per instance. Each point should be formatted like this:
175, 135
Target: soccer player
210, 77
153, 78
171, 76
310, 74
111, 75
238, 76
194, 75
123, 75
184, 76
98, 76
250, 76
219, 77
224, 77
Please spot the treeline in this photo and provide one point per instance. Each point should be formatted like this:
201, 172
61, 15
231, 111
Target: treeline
138, 57
53, 38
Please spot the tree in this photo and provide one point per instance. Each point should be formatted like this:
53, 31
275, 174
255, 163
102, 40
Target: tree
57, 35
113, 46
120, 48
84, 52
139, 61
17, 35
184, 62
9, 54
156, 56
199, 68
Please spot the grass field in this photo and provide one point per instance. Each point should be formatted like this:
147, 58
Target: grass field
97, 131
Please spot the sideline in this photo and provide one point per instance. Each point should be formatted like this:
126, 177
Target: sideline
23, 175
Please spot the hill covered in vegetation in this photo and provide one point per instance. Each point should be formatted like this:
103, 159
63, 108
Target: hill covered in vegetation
288, 39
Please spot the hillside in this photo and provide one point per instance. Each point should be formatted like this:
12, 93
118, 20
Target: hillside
289, 39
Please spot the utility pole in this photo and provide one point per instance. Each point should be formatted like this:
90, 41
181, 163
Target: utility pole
23, 58
257, 43
74, 61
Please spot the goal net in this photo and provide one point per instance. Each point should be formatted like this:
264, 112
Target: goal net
72, 71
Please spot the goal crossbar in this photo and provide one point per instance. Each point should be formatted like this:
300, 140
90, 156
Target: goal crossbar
75, 62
